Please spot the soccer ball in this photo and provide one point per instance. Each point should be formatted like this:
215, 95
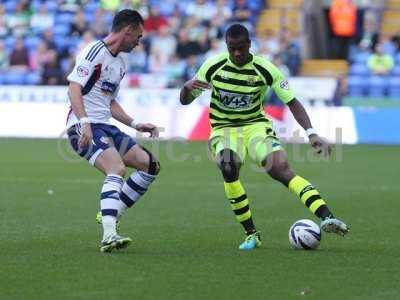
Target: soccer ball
304, 234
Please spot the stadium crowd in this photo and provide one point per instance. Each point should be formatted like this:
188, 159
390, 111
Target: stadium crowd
39, 39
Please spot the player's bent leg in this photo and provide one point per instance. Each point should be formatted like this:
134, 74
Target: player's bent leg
277, 166
141, 159
147, 167
110, 163
229, 163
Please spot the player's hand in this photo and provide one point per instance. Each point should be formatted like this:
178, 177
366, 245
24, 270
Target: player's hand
147, 127
320, 145
196, 84
86, 137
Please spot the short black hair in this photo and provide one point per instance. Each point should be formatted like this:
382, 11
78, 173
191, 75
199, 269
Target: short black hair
126, 17
236, 31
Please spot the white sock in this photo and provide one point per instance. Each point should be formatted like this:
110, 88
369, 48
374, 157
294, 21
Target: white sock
109, 203
136, 185
109, 224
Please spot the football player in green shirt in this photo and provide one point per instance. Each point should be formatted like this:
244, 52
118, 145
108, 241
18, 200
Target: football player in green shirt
238, 81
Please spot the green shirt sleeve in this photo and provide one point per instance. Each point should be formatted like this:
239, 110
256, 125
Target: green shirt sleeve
280, 84
201, 73
205, 67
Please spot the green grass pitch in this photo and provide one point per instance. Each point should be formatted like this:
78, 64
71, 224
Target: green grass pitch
185, 235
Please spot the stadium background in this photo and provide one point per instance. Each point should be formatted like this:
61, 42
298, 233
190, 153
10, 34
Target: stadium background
186, 242
334, 74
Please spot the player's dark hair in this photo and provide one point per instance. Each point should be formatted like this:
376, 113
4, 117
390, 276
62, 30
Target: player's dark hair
237, 31
126, 17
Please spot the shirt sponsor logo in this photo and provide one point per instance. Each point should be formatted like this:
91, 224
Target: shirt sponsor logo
108, 87
234, 100
82, 71
284, 85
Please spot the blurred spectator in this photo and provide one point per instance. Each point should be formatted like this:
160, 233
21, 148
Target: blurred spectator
179, 35
201, 10
19, 58
186, 47
175, 72
380, 63
277, 61
290, 52
218, 23
40, 56
87, 38
204, 41
175, 21
52, 73
78, 25
268, 44
3, 24
18, 22
343, 18
162, 48
242, 14
370, 34
129, 4
3, 57
153, 23
223, 12
110, 5
137, 60
190, 68
69, 5
216, 47
388, 46
42, 20
48, 38
99, 26
340, 90
141, 6
396, 42
168, 7
194, 28
164, 43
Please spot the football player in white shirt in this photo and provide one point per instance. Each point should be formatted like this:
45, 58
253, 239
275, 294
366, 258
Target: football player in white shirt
93, 87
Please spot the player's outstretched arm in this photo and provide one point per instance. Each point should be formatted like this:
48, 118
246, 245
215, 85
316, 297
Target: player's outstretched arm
187, 92
75, 97
299, 113
119, 114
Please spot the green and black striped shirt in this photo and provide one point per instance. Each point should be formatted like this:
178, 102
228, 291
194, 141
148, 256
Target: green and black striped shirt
237, 93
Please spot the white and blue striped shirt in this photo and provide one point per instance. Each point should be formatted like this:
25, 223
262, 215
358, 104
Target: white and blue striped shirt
99, 72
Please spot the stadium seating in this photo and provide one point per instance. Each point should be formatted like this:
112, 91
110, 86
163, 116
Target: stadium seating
394, 87
396, 71
31, 42
357, 86
359, 69
295, 4
17, 78
361, 57
377, 86
324, 67
32, 78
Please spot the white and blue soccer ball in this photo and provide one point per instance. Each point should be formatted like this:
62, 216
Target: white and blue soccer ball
305, 234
